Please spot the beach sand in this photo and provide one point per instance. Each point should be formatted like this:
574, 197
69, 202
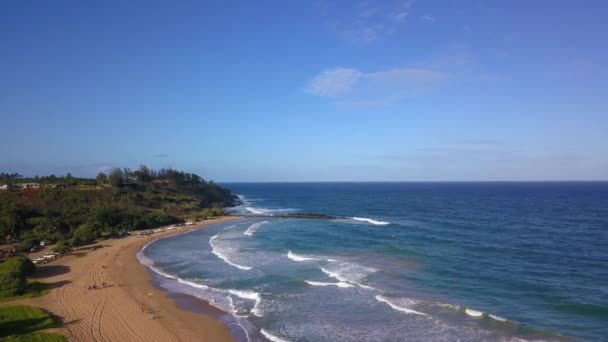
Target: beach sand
129, 308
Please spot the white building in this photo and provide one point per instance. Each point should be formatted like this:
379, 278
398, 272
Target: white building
3, 186
28, 185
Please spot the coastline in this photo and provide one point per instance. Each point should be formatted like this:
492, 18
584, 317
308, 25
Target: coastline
130, 307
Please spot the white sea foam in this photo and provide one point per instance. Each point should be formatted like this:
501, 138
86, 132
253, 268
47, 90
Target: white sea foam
215, 250
350, 273
272, 337
370, 221
254, 227
320, 283
251, 296
256, 210
473, 313
296, 257
144, 260
231, 226
193, 284
267, 211
498, 318
401, 308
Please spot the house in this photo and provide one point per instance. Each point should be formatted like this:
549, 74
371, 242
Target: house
28, 185
161, 181
3, 186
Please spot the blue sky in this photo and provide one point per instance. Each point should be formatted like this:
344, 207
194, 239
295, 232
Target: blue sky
307, 90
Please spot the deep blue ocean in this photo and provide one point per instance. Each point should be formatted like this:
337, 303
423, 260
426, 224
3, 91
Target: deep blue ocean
402, 262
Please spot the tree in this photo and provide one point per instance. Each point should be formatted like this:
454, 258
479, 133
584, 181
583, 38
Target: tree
83, 234
12, 219
143, 174
70, 180
101, 178
116, 177
12, 276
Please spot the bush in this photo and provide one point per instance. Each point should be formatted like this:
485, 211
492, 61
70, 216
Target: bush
83, 235
11, 284
12, 276
26, 245
62, 247
21, 264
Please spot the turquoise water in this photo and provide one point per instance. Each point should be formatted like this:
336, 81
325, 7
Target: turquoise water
403, 262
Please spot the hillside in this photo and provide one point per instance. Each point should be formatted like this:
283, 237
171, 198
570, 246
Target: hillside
77, 210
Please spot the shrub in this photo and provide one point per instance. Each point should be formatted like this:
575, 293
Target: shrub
83, 234
62, 247
21, 265
11, 284
26, 244
12, 276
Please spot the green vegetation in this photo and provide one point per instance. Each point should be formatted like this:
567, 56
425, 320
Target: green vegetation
13, 273
23, 323
75, 211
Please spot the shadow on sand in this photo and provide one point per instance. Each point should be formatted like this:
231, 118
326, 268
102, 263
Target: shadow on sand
48, 271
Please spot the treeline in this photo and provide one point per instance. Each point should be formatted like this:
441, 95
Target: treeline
67, 179
122, 200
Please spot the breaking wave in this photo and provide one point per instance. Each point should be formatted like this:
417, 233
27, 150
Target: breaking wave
219, 254
254, 227
370, 221
251, 296
320, 283
272, 337
351, 274
397, 307
296, 257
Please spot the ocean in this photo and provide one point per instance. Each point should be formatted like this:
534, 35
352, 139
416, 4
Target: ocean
402, 262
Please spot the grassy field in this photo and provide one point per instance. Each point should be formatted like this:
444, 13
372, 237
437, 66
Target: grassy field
24, 323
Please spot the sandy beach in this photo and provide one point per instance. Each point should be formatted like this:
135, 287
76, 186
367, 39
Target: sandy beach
129, 307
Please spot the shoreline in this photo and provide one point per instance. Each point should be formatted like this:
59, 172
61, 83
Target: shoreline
131, 307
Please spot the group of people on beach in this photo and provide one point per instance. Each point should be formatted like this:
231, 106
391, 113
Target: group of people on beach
96, 287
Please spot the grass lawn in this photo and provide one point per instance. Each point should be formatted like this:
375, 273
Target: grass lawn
23, 323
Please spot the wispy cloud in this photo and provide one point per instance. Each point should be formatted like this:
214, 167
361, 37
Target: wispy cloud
428, 19
161, 155
355, 87
365, 23
334, 82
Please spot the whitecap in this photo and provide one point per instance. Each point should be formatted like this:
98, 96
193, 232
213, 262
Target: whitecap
215, 250
473, 313
350, 273
498, 318
385, 300
254, 227
296, 257
251, 295
370, 221
267, 211
272, 337
320, 283
193, 284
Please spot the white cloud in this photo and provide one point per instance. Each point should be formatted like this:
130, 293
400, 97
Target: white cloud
357, 87
400, 74
365, 23
428, 19
334, 82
